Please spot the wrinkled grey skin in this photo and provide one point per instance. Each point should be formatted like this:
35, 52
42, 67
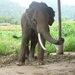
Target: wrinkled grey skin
36, 20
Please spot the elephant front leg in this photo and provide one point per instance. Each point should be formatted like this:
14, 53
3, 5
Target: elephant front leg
32, 50
40, 53
23, 51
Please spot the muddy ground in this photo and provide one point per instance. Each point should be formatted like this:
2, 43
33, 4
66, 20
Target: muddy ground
54, 65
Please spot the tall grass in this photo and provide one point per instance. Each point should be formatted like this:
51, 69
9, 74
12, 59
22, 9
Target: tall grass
10, 45
69, 35
7, 43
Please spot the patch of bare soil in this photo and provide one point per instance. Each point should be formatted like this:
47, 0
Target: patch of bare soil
54, 65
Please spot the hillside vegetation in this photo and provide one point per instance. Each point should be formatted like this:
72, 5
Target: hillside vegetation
11, 12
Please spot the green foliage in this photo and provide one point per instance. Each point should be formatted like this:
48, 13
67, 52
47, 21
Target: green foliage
10, 45
10, 11
68, 29
68, 33
10, 20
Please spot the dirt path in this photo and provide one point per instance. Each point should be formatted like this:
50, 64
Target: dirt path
54, 65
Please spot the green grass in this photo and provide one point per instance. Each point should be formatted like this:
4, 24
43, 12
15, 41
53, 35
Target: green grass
69, 35
10, 45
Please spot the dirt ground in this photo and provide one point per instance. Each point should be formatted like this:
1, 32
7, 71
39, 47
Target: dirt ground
54, 65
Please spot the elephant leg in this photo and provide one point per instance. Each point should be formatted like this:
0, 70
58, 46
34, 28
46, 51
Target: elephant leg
27, 52
32, 50
23, 50
40, 53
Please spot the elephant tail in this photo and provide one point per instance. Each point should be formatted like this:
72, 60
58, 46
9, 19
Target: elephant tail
17, 37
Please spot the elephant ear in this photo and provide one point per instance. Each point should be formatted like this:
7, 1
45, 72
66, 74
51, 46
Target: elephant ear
51, 11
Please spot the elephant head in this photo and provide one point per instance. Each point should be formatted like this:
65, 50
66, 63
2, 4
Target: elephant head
48, 9
40, 16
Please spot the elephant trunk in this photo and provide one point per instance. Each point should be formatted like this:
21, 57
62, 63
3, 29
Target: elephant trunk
49, 38
43, 29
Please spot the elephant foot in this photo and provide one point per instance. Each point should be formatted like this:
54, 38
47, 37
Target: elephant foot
40, 63
20, 63
31, 58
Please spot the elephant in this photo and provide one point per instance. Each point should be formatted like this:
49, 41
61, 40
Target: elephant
35, 28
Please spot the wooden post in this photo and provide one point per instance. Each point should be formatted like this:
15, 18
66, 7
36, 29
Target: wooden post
59, 18
59, 48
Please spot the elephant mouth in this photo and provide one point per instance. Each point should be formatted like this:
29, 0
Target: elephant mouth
40, 41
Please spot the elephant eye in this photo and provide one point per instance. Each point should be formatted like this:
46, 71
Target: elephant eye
34, 21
